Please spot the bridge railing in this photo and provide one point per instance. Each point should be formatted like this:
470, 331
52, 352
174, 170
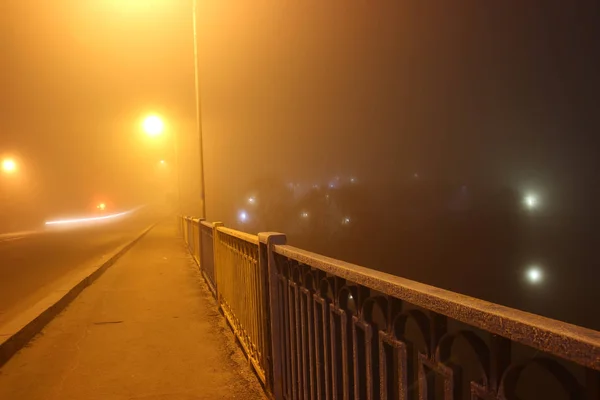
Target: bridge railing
318, 328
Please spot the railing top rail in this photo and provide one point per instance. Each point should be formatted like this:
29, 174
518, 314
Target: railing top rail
240, 235
207, 224
571, 342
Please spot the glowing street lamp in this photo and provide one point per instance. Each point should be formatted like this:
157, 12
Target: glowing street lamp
153, 125
101, 207
9, 165
534, 275
531, 201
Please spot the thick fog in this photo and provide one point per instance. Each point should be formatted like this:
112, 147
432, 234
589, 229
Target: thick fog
364, 130
301, 91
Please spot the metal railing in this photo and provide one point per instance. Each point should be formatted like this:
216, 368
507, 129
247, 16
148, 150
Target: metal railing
241, 292
207, 260
318, 328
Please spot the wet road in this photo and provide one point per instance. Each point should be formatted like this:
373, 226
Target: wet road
32, 264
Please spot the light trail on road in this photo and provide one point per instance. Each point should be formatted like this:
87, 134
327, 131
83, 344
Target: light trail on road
91, 219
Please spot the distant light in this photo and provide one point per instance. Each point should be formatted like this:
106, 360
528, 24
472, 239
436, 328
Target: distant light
346, 221
327, 196
162, 162
153, 125
243, 216
352, 180
101, 207
304, 214
534, 275
331, 185
416, 175
9, 165
531, 201
251, 200
350, 297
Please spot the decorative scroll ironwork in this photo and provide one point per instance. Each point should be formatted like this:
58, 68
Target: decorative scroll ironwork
347, 336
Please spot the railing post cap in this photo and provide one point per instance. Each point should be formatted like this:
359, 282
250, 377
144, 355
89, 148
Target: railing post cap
272, 237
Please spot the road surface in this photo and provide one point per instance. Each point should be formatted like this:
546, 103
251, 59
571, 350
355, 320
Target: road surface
32, 264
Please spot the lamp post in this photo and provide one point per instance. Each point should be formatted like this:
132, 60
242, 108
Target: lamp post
198, 108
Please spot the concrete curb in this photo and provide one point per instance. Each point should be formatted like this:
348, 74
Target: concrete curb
24, 328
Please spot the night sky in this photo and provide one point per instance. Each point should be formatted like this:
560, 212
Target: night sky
503, 93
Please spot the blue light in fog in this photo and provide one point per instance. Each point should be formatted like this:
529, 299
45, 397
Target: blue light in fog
243, 216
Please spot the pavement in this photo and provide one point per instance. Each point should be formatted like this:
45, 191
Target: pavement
148, 328
34, 264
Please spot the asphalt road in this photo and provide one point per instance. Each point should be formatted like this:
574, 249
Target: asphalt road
32, 264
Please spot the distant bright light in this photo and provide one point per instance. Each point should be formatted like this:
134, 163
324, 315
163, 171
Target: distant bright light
243, 216
251, 200
531, 201
315, 186
331, 185
81, 220
162, 162
415, 175
153, 125
102, 206
352, 180
9, 165
304, 214
534, 275
346, 221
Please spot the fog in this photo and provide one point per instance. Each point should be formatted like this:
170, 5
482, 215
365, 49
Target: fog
499, 97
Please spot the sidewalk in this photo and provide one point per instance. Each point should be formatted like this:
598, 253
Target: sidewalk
146, 329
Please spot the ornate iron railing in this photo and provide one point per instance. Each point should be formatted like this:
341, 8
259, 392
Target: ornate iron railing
241, 292
207, 254
319, 328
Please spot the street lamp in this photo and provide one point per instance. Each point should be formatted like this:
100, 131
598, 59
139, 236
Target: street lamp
153, 125
9, 165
